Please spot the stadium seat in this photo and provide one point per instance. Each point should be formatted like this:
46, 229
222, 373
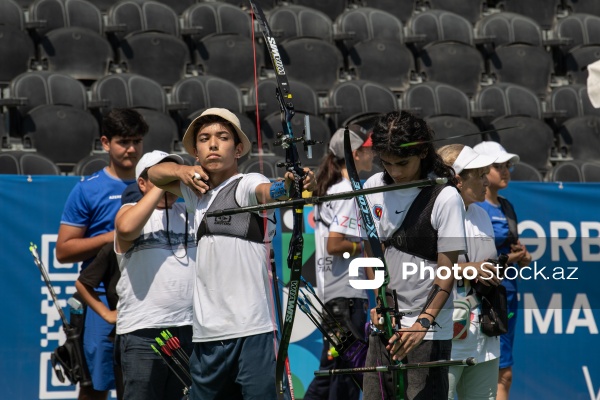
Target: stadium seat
332, 8
590, 171
63, 134
448, 126
91, 164
65, 13
566, 171
429, 99
17, 53
9, 164
179, 6
389, 63
578, 29
580, 138
525, 172
525, 65
574, 100
142, 15
366, 23
577, 60
401, 9
229, 56
455, 63
502, 99
217, 17
303, 57
507, 27
530, 138
439, 25
11, 15
129, 91
36, 164
305, 99
583, 6
161, 57
359, 97
471, 10
162, 133
544, 12
202, 92
79, 52
291, 21
102, 5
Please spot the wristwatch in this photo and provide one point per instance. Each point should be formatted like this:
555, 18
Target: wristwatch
425, 323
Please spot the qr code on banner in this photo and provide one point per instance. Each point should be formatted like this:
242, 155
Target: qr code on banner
57, 271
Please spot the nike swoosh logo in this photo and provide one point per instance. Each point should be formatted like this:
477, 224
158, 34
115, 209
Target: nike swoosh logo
399, 212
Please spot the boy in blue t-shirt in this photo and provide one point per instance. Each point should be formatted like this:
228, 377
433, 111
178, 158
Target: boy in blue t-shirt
504, 221
87, 224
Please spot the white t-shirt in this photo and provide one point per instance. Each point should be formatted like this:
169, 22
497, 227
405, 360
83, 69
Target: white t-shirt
481, 247
332, 271
155, 288
447, 217
232, 292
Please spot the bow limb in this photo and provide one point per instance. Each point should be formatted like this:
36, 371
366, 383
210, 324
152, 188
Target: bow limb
375, 244
292, 164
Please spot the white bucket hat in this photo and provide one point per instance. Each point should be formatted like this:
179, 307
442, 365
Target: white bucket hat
188, 138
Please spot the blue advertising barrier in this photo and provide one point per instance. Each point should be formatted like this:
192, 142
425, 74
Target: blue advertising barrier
557, 335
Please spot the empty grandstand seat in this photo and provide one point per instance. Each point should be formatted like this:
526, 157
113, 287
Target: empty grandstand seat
305, 99
162, 132
36, 88
202, 92
354, 98
401, 9
590, 171
574, 100
179, 6
507, 27
523, 64
580, 137
9, 164
525, 172
389, 63
471, 10
36, 164
579, 29
448, 126
11, 15
158, 56
566, 171
103, 5
91, 164
438, 25
303, 57
366, 23
229, 56
17, 52
430, 99
455, 63
129, 91
332, 8
530, 138
65, 13
503, 99
217, 17
577, 60
63, 134
583, 6
142, 15
78, 52
297, 21
542, 11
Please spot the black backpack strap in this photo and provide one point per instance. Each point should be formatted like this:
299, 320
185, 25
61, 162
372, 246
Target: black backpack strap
511, 218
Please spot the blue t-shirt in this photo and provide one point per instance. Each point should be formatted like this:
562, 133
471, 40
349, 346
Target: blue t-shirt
500, 224
93, 203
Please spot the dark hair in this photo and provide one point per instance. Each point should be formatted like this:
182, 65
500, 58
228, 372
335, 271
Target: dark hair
213, 119
123, 122
329, 173
395, 129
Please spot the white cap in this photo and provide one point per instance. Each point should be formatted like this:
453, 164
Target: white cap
495, 149
593, 83
470, 159
154, 157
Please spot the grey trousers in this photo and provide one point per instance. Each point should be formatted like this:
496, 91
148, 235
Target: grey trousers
420, 383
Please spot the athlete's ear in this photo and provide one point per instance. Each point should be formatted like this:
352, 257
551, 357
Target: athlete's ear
459, 182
